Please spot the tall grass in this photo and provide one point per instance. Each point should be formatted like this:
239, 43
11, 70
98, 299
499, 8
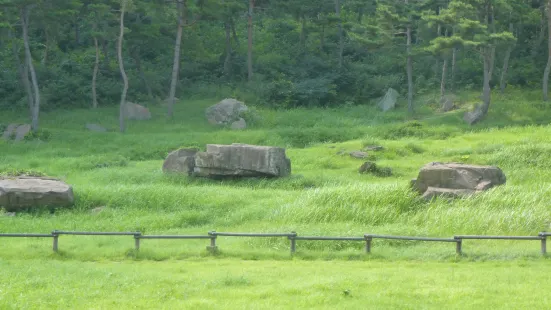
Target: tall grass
120, 175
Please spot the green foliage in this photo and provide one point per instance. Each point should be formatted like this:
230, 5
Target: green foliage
415, 129
14, 172
40, 134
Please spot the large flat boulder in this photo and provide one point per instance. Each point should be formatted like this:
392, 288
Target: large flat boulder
180, 161
135, 111
457, 180
235, 160
242, 160
32, 192
227, 112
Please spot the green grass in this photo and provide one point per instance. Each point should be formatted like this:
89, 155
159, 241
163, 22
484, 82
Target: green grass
324, 196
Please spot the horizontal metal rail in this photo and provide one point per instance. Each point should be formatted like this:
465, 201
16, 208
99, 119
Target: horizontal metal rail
229, 234
292, 236
411, 238
28, 235
91, 233
171, 237
498, 237
313, 238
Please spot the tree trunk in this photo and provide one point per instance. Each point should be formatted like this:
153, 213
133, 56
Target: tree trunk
176, 60
250, 43
486, 92
341, 41
503, 80
443, 80
360, 15
409, 68
548, 66
46, 48
121, 68
35, 109
95, 75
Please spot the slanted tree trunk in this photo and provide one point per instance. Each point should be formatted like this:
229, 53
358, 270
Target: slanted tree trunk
176, 60
341, 39
409, 67
35, 109
250, 43
95, 75
548, 66
121, 68
503, 80
234, 33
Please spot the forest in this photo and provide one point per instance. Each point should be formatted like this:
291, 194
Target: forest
63, 54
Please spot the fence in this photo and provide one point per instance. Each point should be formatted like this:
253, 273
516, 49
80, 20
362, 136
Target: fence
292, 237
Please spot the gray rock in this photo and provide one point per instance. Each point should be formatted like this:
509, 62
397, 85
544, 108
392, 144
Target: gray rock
474, 116
180, 161
388, 101
225, 112
433, 192
96, 127
10, 131
368, 167
242, 160
135, 111
447, 103
446, 178
32, 192
239, 124
358, 154
373, 148
22, 131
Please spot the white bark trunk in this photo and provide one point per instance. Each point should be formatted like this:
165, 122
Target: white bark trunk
35, 109
121, 68
176, 61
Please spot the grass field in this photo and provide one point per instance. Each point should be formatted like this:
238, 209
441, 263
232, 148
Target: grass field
324, 196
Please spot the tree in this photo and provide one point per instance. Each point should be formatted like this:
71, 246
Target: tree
548, 66
250, 40
122, 109
35, 108
181, 7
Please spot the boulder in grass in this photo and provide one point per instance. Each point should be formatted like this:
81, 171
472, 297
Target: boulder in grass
135, 111
456, 180
23, 192
226, 112
17, 132
180, 161
242, 160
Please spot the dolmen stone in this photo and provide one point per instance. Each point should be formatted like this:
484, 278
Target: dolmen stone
235, 160
456, 180
17, 193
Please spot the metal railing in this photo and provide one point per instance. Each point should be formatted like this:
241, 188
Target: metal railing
293, 237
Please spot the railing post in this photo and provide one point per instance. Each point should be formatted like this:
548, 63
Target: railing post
293, 242
368, 240
55, 243
458, 246
212, 248
543, 244
137, 241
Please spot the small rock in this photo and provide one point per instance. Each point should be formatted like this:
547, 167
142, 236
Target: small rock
239, 124
373, 148
10, 131
95, 127
358, 154
225, 112
9, 214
